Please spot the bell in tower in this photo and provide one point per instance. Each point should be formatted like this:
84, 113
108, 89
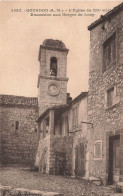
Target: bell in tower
53, 66
52, 79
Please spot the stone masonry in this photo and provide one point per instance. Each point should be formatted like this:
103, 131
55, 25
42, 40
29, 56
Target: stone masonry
58, 146
18, 131
106, 120
56, 49
79, 132
54, 150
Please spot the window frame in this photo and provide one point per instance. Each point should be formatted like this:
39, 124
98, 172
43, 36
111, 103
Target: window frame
95, 156
16, 125
110, 97
109, 42
75, 114
116, 98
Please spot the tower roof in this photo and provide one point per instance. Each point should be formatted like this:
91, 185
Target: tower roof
51, 44
54, 43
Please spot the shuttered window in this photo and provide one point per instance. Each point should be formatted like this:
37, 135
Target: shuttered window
109, 52
110, 97
98, 149
75, 116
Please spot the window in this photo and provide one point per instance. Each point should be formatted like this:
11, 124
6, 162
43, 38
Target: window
53, 66
109, 52
110, 97
75, 116
47, 125
98, 149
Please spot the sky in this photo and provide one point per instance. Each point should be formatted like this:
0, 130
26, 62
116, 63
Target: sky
21, 35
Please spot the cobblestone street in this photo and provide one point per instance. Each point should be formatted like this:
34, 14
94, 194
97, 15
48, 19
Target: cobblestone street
20, 177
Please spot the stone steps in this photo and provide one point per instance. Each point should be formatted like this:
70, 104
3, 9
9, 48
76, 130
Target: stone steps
6, 191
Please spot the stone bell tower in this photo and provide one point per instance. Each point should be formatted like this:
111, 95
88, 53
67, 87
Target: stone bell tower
52, 80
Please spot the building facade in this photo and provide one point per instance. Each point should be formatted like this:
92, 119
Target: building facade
96, 139
62, 144
105, 97
78, 129
59, 123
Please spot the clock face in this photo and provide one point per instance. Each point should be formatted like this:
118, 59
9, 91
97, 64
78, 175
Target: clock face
53, 89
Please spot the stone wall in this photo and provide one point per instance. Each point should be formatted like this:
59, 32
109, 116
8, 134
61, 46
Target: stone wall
61, 146
0, 149
46, 154
106, 120
18, 129
43, 149
18, 148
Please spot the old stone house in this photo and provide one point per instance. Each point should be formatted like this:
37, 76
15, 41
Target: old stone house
105, 97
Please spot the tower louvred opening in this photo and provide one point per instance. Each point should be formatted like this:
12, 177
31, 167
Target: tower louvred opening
53, 66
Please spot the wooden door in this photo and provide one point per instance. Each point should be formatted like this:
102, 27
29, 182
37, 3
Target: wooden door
80, 160
114, 157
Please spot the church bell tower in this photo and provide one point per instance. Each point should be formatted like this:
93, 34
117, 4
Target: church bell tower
52, 80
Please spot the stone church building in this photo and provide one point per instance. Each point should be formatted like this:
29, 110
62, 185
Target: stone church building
79, 137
